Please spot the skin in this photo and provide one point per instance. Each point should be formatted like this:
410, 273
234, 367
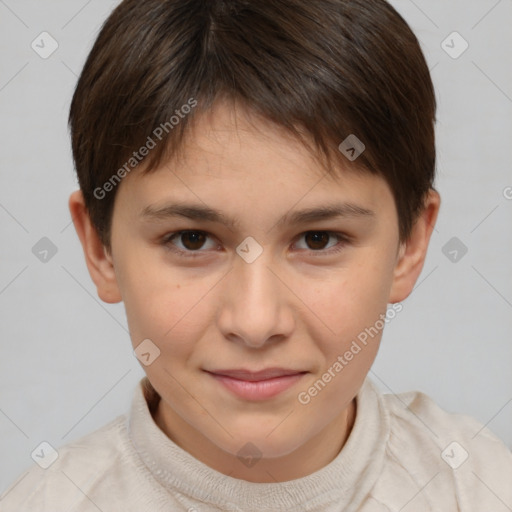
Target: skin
298, 305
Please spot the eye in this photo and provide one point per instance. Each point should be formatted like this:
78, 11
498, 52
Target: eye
191, 241
317, 240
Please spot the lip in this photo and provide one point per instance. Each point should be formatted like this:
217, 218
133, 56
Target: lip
248, 375
260, 385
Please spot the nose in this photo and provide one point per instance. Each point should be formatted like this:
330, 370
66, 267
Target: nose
256, 306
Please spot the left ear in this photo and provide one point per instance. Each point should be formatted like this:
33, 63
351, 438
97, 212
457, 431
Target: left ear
413, 252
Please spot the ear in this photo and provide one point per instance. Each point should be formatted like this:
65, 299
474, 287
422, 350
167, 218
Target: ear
98, 260
412, 253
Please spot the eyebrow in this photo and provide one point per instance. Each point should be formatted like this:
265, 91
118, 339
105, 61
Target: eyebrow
205, 213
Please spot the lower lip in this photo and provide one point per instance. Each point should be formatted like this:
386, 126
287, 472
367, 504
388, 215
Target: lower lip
258, 390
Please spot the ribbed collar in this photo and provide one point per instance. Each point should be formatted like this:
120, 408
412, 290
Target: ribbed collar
345, 481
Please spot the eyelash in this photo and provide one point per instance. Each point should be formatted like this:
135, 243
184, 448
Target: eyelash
166, 241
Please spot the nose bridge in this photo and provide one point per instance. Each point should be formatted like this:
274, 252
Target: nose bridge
254, 302
256, 280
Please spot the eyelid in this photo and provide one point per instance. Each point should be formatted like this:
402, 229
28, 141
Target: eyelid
343, 240
167, 242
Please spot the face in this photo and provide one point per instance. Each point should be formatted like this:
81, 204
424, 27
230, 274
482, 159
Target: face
265, 282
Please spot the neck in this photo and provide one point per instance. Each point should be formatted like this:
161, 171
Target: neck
316, 453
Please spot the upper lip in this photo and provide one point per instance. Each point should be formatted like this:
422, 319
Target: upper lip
267, 373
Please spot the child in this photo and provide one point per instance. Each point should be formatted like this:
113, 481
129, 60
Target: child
256, 185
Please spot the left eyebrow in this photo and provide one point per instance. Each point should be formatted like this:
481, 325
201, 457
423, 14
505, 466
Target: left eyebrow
204, 213
326, 212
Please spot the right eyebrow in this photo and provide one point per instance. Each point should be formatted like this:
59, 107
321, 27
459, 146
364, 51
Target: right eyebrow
188, 211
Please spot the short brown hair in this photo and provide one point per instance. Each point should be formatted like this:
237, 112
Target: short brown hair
329, 68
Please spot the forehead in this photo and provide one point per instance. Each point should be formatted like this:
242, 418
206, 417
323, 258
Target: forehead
231, 155
231, 134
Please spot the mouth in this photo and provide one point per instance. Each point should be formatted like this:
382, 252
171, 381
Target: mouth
258, 385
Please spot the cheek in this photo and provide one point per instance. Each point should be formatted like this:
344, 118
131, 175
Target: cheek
350, 298
166, 305
350, 304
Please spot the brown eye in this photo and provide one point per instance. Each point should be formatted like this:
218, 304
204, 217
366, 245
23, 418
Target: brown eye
323, 243
193, 240
317, 240
188, 243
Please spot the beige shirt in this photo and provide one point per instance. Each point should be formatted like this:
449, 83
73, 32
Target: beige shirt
404, 454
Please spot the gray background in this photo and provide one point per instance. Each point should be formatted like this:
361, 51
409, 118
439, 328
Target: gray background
66, 364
